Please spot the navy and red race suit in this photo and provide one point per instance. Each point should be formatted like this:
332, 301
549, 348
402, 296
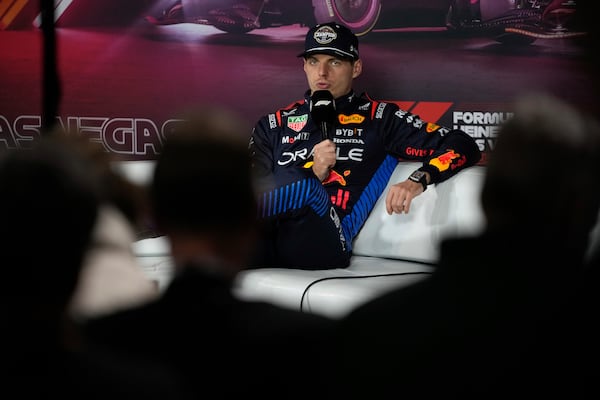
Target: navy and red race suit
311, 224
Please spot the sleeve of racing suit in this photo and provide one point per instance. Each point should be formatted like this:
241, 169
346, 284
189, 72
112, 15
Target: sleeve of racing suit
261, 152
444, 151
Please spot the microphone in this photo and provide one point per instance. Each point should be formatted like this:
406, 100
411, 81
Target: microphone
322, 111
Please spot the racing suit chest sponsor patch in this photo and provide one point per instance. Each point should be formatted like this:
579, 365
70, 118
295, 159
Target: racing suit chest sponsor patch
350, 129
297, 122
351, 119
272, 121
293, 129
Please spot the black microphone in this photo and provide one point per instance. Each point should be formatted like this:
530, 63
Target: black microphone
322, 111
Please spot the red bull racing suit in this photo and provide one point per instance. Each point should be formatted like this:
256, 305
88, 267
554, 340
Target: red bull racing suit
311, 224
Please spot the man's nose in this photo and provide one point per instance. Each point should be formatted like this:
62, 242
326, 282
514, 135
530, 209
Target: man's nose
323, 69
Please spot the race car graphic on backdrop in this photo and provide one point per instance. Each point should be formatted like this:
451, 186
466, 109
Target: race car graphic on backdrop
515, 22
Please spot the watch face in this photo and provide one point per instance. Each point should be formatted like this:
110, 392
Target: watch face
417, 176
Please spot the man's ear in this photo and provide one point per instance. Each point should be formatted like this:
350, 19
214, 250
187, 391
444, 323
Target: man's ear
357, 68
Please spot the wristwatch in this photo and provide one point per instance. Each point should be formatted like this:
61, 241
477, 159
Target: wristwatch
419, 176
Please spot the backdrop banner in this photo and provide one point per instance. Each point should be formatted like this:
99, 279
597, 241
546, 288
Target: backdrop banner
127, 69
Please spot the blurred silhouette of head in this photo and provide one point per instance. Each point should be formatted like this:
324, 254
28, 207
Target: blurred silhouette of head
49, 195
542, 176
202, 184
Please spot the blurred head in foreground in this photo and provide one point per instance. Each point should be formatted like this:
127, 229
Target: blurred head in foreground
49, 195
202, 193
543, 177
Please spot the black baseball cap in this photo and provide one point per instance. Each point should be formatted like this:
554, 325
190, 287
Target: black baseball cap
331, 38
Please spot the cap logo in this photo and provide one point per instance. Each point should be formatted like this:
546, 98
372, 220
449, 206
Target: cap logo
324, 35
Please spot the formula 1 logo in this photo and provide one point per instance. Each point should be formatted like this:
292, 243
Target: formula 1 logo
322, 103
430, 111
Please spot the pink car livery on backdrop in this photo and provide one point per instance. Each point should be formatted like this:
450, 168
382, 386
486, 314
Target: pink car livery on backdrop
512, 22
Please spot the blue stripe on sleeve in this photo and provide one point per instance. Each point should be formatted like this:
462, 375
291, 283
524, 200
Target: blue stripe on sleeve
352, 223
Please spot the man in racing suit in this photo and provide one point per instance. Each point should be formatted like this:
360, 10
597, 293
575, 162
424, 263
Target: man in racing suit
315, 193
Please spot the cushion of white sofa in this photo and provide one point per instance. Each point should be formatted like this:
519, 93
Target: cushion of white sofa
154, 256
138, 171
450, 208
330, 292
152, 247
